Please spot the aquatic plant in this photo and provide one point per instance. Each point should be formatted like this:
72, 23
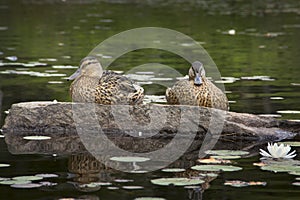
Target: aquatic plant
278, 151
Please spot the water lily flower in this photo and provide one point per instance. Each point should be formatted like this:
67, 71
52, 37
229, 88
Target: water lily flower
278, 151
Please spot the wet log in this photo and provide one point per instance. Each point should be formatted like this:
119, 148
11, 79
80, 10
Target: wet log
137, 128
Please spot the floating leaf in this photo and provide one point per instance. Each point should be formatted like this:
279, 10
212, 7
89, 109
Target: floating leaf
113, 188
295, 173
27, 178
36, 137
291, 143
227, 152
149, 198
103, 183
123, 180
192, 187
270, 115
296, 183
226, 157
176, 181
259, 164
47, 175
4, 165
208, 174
11, 182
132, 187
237, 183
26, 185
173, 170
95, 184
288, 111
281, 168
212, 160
138, 171
4, 179
298, 178
276, 98
47, 183
129, 159
257, 183
216, 168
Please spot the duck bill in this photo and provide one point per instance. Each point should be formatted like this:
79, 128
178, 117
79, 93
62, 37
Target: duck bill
198, 80
75, 75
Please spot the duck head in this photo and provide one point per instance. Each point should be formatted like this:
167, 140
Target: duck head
196, 72
89, 66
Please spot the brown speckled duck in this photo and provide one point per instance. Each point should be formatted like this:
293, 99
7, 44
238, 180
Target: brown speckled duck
197, 91
92, 84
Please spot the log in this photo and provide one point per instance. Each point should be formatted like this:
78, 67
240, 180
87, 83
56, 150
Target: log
137, 128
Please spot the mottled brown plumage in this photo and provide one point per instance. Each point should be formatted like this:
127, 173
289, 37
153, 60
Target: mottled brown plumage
93, 85
197, 91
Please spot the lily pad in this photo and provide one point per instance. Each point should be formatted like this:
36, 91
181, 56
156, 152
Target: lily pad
4, 165
173, 170
133, 187
227, 152
36, 137
129, 159
47, 183
27, 178
26, 186
237, 183
12, 182
138, 171
281, 168
103, 183
192, 187
291, 143
213, 161
296, 183
113, 188
47, 175
295, 173
230, 157
288, 111
208, 174
4, 179
176, 181
149, 198
123, 180
96, 184
228, 168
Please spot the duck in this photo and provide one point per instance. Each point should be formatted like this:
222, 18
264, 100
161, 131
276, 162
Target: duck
92, 84
197, 91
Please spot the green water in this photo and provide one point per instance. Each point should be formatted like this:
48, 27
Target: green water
57, 33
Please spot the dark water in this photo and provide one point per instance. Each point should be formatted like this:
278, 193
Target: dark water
60, 33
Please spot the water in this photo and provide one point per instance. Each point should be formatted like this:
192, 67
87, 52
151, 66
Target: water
41, 43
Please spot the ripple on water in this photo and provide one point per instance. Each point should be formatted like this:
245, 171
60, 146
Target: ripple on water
48, 59
31, 73
257, 78
30, 64
64, 67
288, 111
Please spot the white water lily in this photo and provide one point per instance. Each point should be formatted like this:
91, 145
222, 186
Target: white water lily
278, 151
